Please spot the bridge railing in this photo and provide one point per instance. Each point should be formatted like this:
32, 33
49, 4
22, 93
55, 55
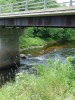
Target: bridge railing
28, 5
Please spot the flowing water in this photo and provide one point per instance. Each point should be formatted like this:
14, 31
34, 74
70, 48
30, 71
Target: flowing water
38, 56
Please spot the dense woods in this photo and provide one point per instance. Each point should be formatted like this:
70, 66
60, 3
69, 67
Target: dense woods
63, 34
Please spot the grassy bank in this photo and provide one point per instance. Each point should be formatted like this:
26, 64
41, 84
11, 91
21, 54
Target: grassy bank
55, 82
30, 41
39, 36
26, 41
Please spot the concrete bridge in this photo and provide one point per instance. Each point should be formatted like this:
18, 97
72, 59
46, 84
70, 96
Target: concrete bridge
15, 16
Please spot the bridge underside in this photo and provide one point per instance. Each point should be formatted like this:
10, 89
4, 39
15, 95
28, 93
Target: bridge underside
47, 21
9, 37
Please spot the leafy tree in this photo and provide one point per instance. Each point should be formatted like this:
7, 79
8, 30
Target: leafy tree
68, 34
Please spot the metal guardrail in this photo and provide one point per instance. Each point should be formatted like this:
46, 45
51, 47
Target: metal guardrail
27, 5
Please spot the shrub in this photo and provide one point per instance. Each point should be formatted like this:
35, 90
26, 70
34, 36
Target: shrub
54, 82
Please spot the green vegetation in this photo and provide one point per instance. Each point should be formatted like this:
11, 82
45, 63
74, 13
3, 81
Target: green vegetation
32, 5
39, 36
30, 41
54, 82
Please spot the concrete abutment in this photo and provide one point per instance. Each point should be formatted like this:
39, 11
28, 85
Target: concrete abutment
9, 47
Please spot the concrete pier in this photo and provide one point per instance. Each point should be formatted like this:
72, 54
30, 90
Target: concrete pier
9, 46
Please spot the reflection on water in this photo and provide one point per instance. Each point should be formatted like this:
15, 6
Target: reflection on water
39, 56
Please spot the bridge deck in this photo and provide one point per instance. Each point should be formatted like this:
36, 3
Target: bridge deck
47, 12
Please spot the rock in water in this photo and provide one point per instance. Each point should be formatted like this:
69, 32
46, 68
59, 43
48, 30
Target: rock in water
29, 55
23, 56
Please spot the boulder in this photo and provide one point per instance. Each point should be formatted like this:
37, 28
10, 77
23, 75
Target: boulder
23, 56
29, 55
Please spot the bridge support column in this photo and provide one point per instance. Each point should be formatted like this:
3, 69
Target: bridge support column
9, 47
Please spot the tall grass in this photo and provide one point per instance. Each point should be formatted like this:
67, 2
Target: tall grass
30, 41
53, 82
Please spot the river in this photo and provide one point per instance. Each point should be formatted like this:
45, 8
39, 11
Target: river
38, 56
